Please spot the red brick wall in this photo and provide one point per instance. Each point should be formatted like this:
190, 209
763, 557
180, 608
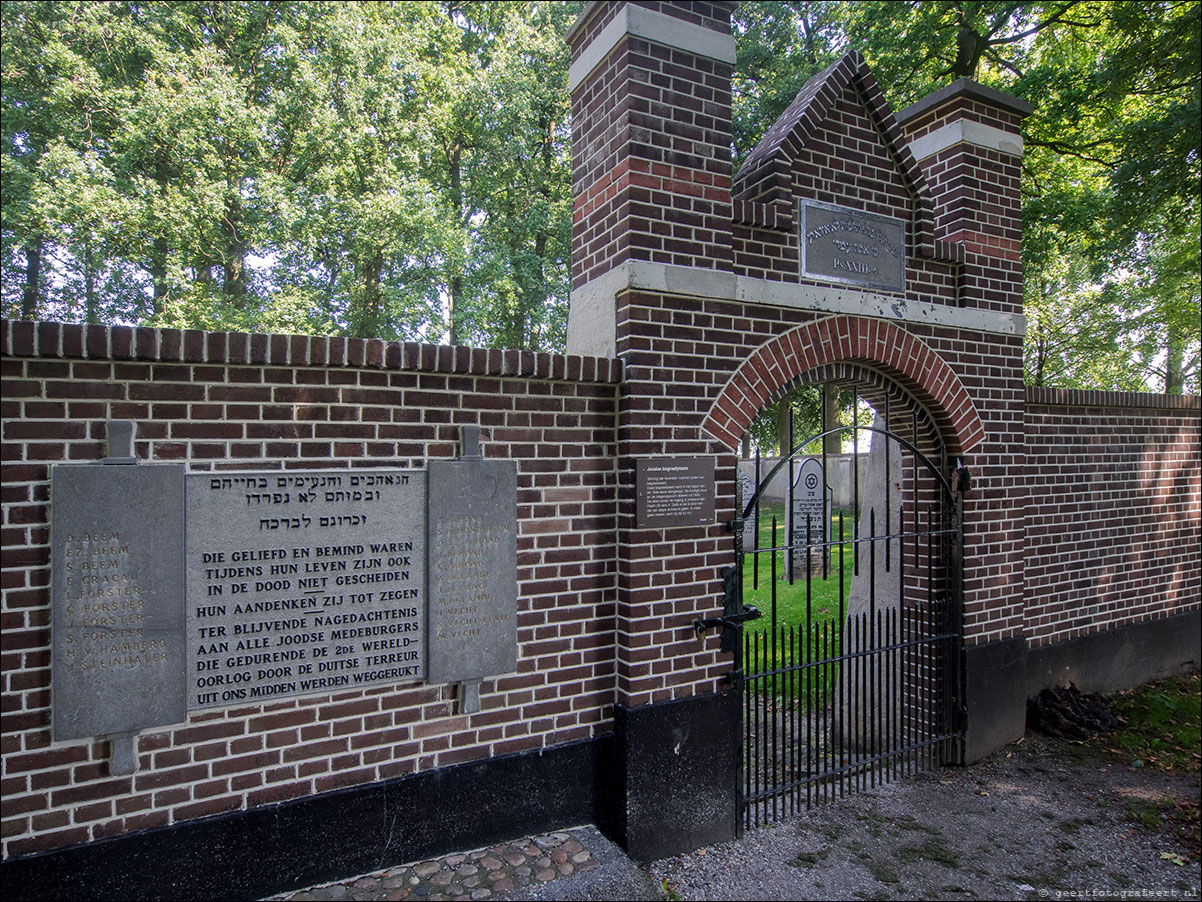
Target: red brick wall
234, 401
1112, 523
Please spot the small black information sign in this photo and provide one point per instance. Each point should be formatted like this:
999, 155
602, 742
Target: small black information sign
674, 491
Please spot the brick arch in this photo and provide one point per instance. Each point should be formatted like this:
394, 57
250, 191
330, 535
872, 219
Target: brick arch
778, 363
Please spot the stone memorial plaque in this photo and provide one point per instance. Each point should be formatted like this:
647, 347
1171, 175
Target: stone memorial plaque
854, 247
674, 491
303, 581
472, 548
117, 596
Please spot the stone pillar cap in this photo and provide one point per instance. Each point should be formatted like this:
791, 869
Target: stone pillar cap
968, 88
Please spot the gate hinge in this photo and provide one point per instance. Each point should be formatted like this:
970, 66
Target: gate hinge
736, 524
749, 612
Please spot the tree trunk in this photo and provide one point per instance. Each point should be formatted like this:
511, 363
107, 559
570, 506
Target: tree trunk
235, 252
784, 436
158, 274
833, 443
369, 316
969, 47
455, 278
1174, 378
31, 294
91, 303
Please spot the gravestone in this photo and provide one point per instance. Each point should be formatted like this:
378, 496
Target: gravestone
875, 595
746, 491
810, 516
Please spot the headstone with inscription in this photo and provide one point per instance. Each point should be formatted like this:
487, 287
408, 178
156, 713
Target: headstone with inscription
746, 493
303, 581
810, 515
117, 632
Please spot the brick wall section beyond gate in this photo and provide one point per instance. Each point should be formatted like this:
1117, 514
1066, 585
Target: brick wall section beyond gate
1112, 520
236, 401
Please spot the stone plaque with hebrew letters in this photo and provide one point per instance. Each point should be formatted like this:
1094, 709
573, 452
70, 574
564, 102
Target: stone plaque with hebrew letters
117, 596
303, 581
839, 244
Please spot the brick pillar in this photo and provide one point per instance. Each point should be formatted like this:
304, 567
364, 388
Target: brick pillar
650, 86
967, 141
651, 168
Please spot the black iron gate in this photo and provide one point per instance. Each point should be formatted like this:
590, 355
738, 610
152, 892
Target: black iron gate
852, 675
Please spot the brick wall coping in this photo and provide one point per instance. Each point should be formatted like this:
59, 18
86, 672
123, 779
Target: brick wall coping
593, 5
1078, 397
649, 25
965, 87
25, 338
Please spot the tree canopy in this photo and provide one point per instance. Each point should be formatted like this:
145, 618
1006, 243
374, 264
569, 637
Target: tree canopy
403, 170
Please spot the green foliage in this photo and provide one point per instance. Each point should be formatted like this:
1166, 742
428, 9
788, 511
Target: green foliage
399, 170
403, 170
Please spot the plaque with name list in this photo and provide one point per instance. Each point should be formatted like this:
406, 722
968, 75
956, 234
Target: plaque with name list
117, 598
472, 543
303, 581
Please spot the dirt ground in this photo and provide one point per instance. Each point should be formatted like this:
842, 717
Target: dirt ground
1042, 819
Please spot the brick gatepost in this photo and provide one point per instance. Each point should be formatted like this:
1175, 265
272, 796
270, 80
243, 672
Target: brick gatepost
651, 180
703, 300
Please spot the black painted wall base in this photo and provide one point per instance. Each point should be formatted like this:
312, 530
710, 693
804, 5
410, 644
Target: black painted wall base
256, 853
1001, 676
1121, 658
677, 766
995, 684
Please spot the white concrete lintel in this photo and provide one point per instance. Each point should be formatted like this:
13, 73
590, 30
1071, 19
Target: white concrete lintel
965, 131
592, 315
654, 26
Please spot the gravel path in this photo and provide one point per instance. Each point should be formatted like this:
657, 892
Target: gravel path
1038, 820
1032, 822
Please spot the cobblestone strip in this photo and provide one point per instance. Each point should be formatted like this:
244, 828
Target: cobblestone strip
483, 874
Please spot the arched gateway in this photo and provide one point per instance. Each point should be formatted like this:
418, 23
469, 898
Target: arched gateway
856, 246
555, 526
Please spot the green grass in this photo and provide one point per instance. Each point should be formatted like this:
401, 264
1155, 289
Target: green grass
791, 601
1163, 725
821, 611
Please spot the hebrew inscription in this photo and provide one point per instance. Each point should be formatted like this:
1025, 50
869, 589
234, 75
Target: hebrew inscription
303, 581
843, 245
